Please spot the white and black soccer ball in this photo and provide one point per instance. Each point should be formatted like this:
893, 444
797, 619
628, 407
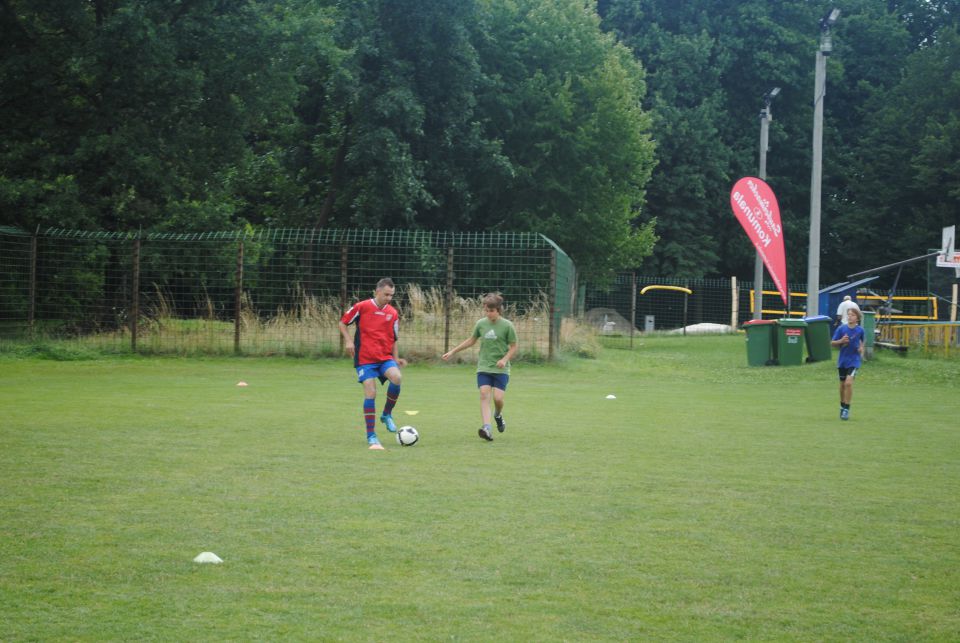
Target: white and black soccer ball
407, 436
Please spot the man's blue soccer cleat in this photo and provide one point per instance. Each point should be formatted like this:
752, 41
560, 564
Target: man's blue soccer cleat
844, 414
373, 443
389, 423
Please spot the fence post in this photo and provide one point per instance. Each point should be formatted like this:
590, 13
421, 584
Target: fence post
734, 303
448, 300
32, 310
633, 305
238, 298
135, 295
343, 288
553, 332
953, 304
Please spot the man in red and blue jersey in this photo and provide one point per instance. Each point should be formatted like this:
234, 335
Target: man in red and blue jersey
374, 351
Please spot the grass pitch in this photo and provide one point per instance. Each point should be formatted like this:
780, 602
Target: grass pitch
709, 501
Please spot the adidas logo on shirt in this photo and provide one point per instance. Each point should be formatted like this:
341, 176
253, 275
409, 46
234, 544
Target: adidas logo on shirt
490, 334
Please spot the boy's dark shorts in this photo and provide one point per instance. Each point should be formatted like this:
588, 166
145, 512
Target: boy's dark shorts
496, 380
846, 371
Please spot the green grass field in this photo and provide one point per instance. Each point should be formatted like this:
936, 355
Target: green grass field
709, 501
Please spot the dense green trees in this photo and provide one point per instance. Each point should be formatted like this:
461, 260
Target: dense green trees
121, 115
890, 104
908, 161
565, 103
484, 115
443, 114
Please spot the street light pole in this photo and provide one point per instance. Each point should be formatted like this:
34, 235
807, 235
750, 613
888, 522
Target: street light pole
765, 117
819, 89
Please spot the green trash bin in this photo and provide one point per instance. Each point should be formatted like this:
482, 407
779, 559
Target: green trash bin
790, 341
869, 323
818, 336
761, 349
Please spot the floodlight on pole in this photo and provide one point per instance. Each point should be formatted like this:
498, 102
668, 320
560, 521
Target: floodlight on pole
816, 176
765, 117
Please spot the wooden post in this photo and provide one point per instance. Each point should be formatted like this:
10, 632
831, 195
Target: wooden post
734, 303
953, 314
633, 305
238, 299
448, 300
553, 334
32, 310
135, 295
343, 288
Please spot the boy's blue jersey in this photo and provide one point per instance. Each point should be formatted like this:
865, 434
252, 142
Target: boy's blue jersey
849, 354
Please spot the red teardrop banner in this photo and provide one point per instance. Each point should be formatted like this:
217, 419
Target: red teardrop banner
755, 207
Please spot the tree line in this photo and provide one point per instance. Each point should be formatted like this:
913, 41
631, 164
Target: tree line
614, 127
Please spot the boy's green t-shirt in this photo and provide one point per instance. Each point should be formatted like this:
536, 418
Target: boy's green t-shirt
495, 339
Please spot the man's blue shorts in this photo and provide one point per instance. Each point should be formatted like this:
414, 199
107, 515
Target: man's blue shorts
496, 380
379, 370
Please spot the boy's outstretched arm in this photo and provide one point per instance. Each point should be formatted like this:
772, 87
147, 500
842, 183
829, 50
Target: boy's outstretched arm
467, 343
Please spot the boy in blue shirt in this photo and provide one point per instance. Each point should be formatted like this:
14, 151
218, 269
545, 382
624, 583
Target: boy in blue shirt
849, 339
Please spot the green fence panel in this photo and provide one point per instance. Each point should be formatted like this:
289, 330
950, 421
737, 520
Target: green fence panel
274, 291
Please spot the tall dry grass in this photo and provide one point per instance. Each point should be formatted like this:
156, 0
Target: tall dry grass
424, 329
308, 327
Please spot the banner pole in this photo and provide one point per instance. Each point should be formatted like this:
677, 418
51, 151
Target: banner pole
734, 303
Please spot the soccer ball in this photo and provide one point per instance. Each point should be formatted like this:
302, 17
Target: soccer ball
407, 436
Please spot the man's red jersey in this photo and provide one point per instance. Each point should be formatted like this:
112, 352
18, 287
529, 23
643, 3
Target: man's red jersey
376, 333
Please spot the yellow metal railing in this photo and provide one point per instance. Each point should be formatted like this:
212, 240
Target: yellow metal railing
780, 311
932, 307
943, 337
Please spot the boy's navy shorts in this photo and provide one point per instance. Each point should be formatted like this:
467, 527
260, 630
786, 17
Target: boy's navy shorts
496, 380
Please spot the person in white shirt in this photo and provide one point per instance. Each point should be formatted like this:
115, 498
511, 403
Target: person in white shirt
842, 309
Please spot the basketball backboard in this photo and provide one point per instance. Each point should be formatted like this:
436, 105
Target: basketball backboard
949, 257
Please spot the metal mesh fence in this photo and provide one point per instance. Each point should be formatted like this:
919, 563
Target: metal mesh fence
15, 280
634, 304
620, 312
274, 291
282, 291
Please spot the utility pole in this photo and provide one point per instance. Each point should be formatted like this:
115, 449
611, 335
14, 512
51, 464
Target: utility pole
819, 89
765, 117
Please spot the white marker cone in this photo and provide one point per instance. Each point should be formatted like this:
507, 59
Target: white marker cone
207, 557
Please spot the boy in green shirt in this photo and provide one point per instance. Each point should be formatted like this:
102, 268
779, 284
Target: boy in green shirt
498, 344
